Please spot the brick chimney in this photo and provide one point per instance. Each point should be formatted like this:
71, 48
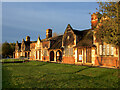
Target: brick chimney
94, 20
28, 38
48, 33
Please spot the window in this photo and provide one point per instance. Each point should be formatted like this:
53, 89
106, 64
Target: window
17, 54
100, 50
107, 49
112, 50
71, 51
68, 37
68, 51
79, 57
36, 54
44, 52
103, 49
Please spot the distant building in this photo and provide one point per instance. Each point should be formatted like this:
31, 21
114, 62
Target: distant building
73, 47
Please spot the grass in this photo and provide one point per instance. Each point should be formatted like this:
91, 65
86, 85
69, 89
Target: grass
36, 74
11, 60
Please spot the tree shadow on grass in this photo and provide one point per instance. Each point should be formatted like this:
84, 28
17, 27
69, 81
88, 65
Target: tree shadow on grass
67, 72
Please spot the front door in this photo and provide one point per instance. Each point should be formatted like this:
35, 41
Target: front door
51, 56
88, 55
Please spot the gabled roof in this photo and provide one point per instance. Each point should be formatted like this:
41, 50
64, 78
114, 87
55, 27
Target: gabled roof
19, 44
52, 38
58, 42
80, 33
86, 40
27, 43
39, 38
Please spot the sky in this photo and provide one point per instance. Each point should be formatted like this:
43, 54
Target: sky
21, 19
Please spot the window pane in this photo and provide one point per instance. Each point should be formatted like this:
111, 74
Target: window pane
112, 50
100, 49
103, 49
71, 51
107, 49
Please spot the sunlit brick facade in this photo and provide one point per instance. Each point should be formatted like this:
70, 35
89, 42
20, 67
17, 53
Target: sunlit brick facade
73, 47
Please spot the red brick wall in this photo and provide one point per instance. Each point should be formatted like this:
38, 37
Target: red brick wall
16, 55
45, 44
69, 60
32, 57
107, 61
32, 46
45, 58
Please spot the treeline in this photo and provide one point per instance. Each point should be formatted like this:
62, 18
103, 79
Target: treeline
7, 49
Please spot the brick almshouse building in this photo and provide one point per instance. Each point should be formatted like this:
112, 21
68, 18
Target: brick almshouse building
73, 47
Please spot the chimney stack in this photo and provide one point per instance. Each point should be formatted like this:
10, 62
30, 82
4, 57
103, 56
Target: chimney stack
28, 38
94, 20
48, 33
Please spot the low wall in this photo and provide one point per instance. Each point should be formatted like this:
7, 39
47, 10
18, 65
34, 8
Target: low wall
68, 60
106, 61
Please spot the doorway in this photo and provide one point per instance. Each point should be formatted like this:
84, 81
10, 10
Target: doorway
51, 56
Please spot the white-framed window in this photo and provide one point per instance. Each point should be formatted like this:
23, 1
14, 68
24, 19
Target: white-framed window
104, 49
71, 51
68, 51
36, 55
108, 49
112, 50
44, 52
100, 49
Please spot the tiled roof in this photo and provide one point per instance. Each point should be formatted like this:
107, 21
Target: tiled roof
80, 33
86, 40
33, 41
19, 44
58, 42
27, 43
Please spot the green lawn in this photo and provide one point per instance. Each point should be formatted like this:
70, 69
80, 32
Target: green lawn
36, 74
11, 60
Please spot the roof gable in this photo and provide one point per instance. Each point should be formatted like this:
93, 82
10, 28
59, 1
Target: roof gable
86, 40
68, 29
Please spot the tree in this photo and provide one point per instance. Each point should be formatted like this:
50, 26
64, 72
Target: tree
0, 51
7, 49
108, 30
12, 46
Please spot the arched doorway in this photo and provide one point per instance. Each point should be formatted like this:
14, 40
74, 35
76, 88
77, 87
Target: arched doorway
51, 56
59, 56
25, 54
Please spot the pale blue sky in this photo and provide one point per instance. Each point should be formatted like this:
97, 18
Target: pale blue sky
33, 18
